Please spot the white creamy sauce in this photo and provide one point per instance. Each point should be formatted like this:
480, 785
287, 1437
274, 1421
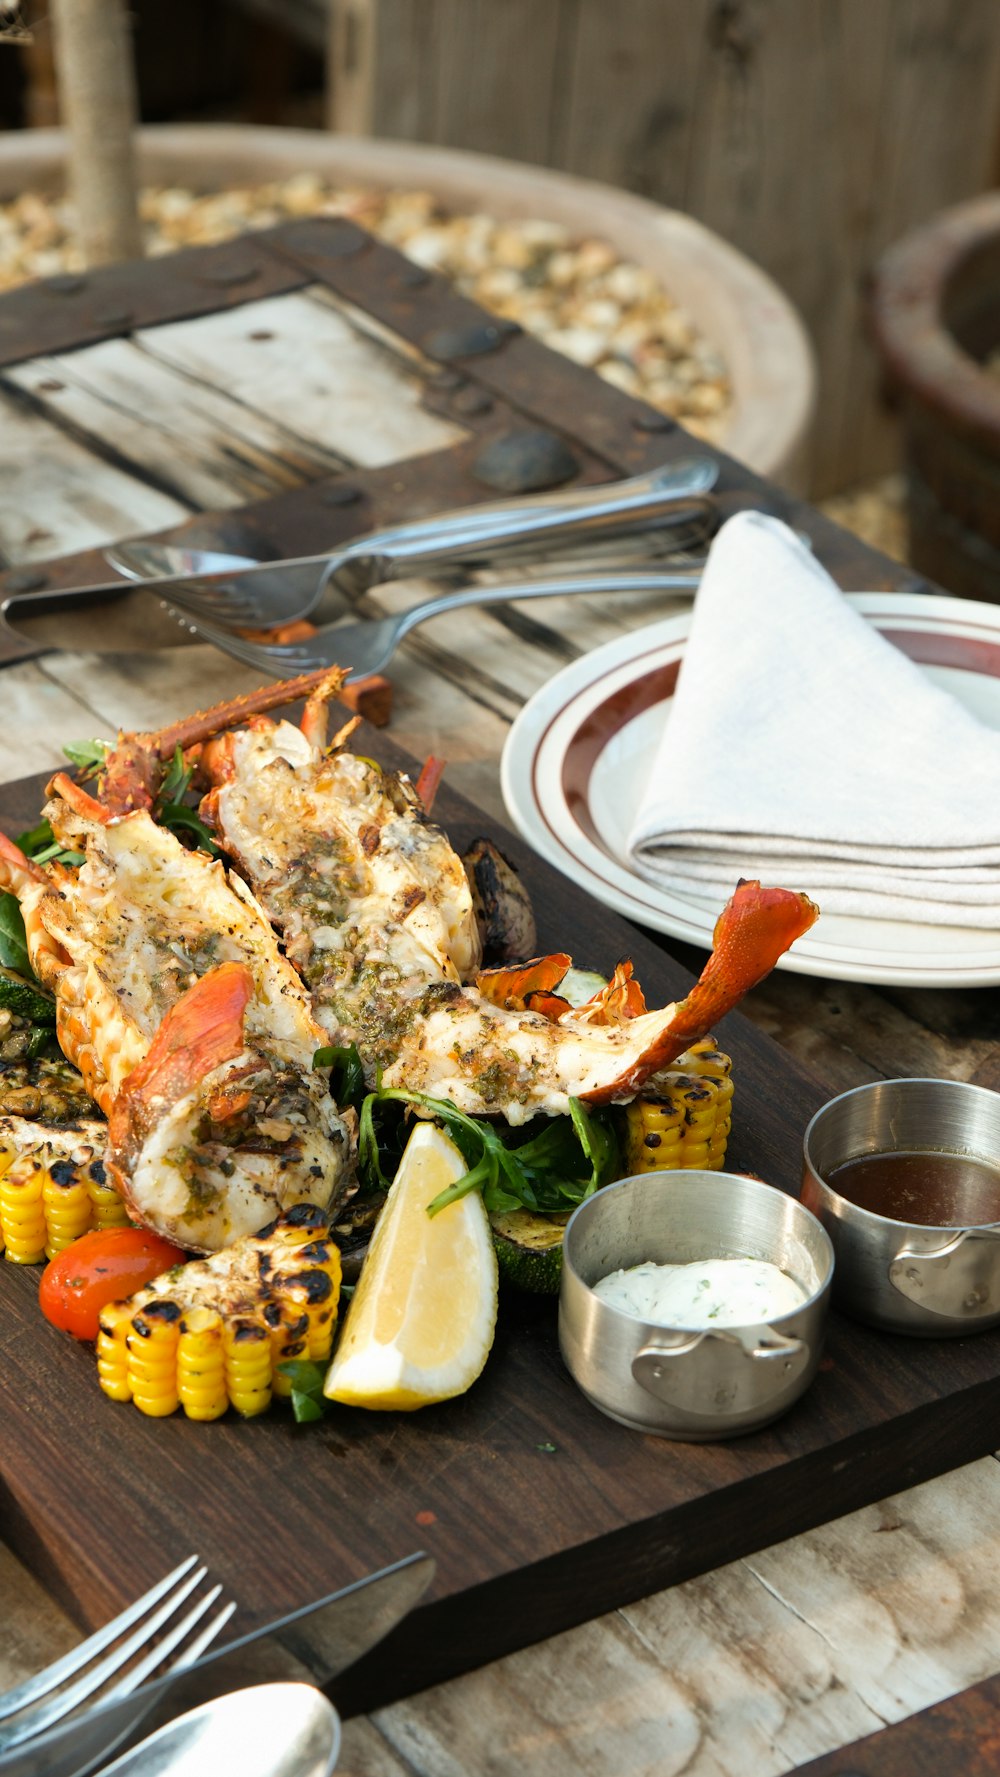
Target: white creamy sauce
711, 1293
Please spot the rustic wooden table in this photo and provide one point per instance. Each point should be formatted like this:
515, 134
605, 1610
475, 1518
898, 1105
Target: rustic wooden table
276, 386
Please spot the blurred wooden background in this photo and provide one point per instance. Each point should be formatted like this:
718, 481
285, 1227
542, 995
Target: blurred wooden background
809, 133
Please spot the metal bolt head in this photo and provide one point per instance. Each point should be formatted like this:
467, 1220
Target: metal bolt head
230, 272
66, 284
467, 342
523, 460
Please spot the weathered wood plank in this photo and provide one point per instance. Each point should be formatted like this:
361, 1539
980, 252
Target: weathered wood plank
627, 98
312, 372
472, 106
40, 716
55, 495
422, 72
212, 450
144, 690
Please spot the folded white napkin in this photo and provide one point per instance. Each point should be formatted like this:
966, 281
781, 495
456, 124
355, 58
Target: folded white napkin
803, 748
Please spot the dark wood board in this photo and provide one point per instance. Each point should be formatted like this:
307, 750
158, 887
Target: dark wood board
529, 1540
959, 1735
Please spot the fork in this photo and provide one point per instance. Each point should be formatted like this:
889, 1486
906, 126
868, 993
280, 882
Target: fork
671, 499
319, 1640
50, 1695
365, 648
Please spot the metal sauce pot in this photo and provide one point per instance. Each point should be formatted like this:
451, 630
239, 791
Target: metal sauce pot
907, 1277
691, 1384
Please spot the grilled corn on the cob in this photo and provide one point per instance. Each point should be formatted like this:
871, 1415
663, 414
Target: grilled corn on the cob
686, 1122
53, 1186
212, 1334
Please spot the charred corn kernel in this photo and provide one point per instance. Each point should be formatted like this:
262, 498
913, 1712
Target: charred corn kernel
314, 1290
112, 1351
247, 1347
289, 1330
66, 1206
71, 1196
213, 1332
299, 1225
22, 1212
201, 1364
153, 1338
704, 1058
107, 1205
686, 1122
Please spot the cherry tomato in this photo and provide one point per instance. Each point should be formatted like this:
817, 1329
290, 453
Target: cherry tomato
104, 1266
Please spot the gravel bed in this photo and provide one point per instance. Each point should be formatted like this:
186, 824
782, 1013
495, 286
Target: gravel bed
874, 511
579, 296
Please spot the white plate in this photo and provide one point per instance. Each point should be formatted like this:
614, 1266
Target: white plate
575, 761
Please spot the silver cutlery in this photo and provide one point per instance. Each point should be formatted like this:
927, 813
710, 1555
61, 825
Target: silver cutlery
267, 1730
323, 1638
267, 594
368, 646
41, 1701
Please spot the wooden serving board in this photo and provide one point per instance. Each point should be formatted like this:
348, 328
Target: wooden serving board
540, 1512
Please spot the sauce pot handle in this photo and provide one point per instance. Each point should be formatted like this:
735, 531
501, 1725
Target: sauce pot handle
958, 1278
729, 1369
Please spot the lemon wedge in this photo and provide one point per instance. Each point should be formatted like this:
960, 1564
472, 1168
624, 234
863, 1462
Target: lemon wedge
421, 1321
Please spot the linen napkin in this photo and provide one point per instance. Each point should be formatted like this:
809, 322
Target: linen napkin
803, 748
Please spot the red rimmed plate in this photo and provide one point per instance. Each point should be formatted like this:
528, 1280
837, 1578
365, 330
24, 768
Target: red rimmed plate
575, 762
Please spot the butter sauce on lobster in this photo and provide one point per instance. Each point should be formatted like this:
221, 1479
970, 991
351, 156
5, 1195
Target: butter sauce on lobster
191, 1030
375, 911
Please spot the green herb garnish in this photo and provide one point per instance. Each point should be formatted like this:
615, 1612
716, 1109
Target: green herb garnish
552, 1171
171, 811
347, 1076
13, 943
87, 755
307, 1389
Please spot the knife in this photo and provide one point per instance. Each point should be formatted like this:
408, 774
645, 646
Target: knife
668, 496
325, 1638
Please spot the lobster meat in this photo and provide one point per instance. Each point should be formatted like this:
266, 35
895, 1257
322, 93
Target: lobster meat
191, 1030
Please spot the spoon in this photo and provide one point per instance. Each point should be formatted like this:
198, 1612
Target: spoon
268, 1730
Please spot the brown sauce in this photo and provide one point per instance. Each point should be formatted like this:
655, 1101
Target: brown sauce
935, 1189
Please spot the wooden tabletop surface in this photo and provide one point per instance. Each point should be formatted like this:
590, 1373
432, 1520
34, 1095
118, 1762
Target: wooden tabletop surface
756, 1667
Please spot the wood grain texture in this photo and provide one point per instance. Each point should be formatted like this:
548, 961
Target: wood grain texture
56, 495
960, 1734
196, 439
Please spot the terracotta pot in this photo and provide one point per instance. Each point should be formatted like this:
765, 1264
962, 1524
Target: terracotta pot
936, 318
739, 308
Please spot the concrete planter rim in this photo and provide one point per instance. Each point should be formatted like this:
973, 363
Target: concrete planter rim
925, 361
761, 335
